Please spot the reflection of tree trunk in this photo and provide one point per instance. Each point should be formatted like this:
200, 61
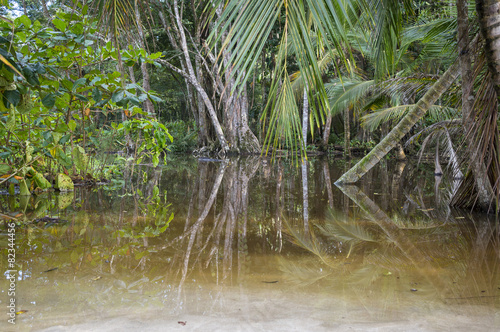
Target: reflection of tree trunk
328, 182
394, 234
305, 196
305, 117
279, 206
437, 193
193, 230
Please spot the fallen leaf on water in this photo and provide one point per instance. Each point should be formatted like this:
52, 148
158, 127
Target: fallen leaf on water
182, 323
96, 278
21, 312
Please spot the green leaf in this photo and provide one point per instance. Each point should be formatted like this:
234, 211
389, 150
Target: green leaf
31, 75
23, 20
63, 158
62, 128
72, 125
61, 25
96, 94
12, 96
155, 56
80, 157
67, 84
79, 82
117, 96
49, 100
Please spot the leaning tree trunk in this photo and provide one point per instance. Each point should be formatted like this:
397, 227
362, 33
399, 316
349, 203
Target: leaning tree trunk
402, 128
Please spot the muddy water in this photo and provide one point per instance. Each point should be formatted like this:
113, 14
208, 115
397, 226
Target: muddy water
247, 245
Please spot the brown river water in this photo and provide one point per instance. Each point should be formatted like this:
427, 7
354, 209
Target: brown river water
250, 245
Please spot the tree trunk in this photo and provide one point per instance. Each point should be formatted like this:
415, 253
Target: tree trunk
402, 128
481, 182
326, 131
211, 110
347, 134
248, 142
147, 105
489, 16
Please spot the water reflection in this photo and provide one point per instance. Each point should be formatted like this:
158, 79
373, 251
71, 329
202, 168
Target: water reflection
204, 237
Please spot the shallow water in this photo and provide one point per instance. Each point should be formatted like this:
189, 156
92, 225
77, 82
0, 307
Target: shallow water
240, 253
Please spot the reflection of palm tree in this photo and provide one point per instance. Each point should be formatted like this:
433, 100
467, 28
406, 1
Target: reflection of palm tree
387, 245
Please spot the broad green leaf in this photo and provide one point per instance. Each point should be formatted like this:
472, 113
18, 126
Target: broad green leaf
72, 125
61, 25
80, 157
12, 96
49, 100
23, 20
31, 75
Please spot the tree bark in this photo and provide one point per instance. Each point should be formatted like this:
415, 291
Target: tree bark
347, 134
147, 105
482, 184
489, 19
192, 77
326, 131
402, 128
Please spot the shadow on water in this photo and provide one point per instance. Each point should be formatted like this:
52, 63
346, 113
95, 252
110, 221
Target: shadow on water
247, 244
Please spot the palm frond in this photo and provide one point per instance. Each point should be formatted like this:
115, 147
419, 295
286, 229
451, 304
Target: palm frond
342, 229
342, 95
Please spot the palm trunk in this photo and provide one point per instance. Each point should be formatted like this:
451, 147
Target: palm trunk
326, 131
488, 12
481, 182
347, 134
402, 128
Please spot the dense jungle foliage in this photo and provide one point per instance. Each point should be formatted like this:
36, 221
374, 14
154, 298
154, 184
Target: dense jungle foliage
83, 79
